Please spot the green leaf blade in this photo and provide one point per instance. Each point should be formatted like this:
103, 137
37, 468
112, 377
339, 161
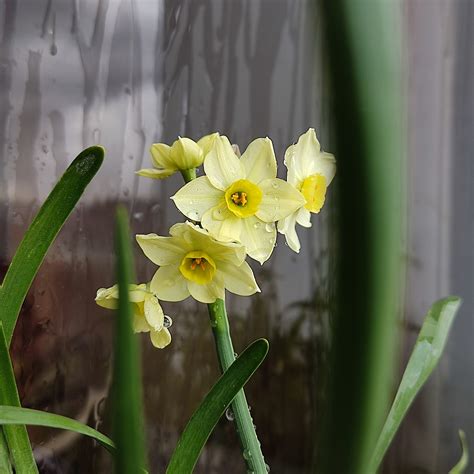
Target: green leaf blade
461, 465
128, 424
428, 349
11, 416
42, 232
16, 436
213, 406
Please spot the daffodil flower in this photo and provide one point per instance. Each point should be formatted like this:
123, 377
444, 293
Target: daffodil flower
310, 171
193, 263
148, 315
240, 199
184, 154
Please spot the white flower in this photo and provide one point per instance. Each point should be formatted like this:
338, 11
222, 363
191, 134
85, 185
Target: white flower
310, 171
193, 263
240, 199
148, 315
184, 154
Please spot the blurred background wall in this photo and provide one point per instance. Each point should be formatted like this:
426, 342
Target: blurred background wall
128, 73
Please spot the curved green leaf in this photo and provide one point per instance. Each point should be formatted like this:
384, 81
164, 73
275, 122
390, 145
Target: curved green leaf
128, 425
428, 349
213, 406
461, 465
27, 416
42, 232
16, 436
5, 464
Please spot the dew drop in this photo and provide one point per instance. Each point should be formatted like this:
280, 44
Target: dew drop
167, 322
267, 467
257, 225
269, 227
194, 215
275, 185
218, 214
229, 414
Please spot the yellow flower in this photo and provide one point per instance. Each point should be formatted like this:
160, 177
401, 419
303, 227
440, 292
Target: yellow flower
184, 154
310, 171
193, 263
240, 199
147, 313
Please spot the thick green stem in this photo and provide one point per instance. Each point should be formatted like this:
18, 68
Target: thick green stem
188, 175
252, 451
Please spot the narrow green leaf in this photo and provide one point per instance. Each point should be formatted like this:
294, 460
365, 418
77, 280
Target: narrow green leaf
213, 406
128, 426
42, 232
428, 349
5, 464
461, 465
16, 436
11, 416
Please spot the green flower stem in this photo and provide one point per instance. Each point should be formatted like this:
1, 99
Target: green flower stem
252, 451
188, 175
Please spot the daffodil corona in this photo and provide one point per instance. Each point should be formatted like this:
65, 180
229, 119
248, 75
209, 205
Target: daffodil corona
148, 315
310, 171
240, 199
193, 263
183, 155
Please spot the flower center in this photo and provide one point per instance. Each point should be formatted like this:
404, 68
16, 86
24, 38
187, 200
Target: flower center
243, 198
197, 266
313, 189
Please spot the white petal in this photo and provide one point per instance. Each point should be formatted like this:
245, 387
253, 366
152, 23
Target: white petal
303, 217
222, 224
197, 197
324, 164
299, 157
258, 237
160, 339
287, 227
239, 279
279, 200
207, 293
169, 285
222, 166
259, 160
155, 174
161, 250
153, 313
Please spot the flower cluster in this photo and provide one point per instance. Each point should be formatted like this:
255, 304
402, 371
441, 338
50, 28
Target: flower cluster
236, 208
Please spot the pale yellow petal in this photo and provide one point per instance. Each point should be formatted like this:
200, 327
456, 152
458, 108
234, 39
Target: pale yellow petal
186, 154
299, 157
160, 250
222, 224
209, 292
287, 227
197, 197
168, 284
160, 339
222, 166
155, 174
279, 200
258, 238
207, 142
107, 297
153, 312
161, 156
140, 324
259, 160
239, 279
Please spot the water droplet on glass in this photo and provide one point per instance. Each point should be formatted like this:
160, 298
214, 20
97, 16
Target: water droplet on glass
229, 414
167, 322
53, 49
155, 208
138, 215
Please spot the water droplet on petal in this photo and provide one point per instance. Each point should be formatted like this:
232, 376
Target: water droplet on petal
193, 215
167, 322
269, 227
256, 225
218, 214
168, 282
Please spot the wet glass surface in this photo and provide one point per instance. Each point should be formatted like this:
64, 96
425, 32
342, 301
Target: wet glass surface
128, 73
